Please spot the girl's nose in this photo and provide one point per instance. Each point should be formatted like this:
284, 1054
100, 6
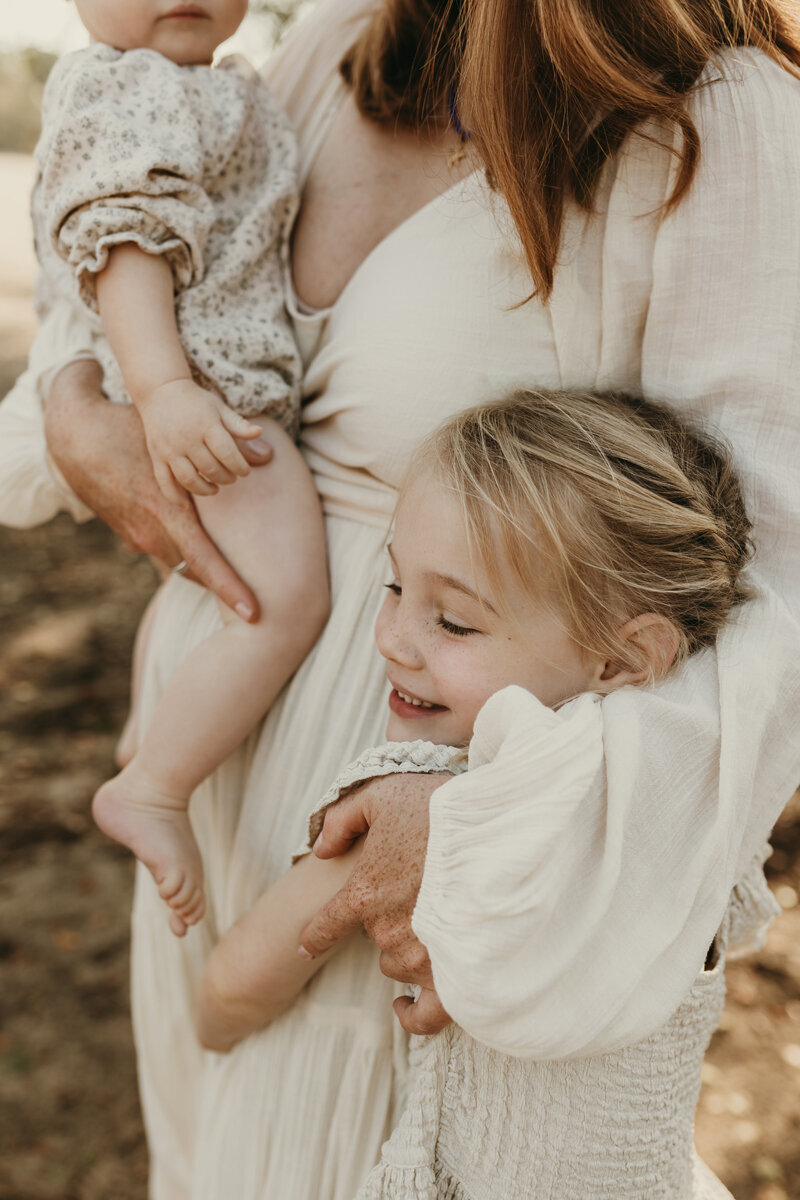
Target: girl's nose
395, 641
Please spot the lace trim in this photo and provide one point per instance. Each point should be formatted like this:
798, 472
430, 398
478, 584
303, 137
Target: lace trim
393, 758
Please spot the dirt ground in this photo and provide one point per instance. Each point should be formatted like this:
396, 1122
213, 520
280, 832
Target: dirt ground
70, 1127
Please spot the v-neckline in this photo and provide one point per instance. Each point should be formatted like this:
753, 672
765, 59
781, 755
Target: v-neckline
301, 310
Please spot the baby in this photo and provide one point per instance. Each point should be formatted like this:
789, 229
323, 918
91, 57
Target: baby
163, 203
547, 551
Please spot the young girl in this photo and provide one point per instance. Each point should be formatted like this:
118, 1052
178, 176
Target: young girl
567, 545
165, 194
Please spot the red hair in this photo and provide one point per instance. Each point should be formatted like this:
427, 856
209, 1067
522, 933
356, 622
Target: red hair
550, 89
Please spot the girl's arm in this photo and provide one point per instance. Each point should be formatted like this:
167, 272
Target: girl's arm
189, 431
255, 973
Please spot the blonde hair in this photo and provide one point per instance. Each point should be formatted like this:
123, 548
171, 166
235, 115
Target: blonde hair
629, 510
550, 89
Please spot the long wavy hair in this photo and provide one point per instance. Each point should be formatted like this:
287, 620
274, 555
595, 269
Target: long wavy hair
550, 89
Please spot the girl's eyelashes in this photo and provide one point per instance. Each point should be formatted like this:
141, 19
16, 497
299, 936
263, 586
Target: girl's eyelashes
451, 627
441, 620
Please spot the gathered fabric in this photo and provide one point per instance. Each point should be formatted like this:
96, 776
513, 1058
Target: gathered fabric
481, 1125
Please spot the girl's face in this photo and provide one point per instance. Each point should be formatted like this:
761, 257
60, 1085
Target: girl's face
182, 31
448, 641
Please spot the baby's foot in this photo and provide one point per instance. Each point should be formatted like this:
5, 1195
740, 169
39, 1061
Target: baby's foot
156, 828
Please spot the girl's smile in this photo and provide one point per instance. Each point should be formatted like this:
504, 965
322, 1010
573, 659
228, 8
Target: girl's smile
410, 707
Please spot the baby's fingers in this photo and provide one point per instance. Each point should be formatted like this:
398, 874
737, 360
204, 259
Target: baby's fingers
226, 452
190, 478
166, 481
239, 426
210, 467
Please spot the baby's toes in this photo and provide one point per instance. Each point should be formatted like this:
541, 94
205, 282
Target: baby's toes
174, 887
177, 926
195, 910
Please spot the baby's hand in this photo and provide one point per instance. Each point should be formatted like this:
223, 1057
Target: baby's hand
190, 434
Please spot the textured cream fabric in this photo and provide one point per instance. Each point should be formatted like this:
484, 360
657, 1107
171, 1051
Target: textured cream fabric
701, 308
481, 1125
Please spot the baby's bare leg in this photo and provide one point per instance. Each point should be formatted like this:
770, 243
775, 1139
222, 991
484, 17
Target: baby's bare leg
269, 526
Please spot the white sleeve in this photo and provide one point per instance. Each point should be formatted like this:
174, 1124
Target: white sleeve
557, 938
32, 489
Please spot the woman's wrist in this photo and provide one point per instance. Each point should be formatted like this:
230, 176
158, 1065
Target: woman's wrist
75, 390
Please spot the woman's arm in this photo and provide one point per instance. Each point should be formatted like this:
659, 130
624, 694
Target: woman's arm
99, 449
32, 490
254, 973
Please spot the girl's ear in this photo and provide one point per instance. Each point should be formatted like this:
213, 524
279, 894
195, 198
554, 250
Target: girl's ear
655, 641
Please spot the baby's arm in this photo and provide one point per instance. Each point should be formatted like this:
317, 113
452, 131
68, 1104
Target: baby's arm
255, 973
189, 431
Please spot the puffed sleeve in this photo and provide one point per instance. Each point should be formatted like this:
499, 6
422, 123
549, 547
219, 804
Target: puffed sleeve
566, 922
32, 489
122, 159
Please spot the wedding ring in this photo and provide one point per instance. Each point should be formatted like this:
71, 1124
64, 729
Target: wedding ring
180, 568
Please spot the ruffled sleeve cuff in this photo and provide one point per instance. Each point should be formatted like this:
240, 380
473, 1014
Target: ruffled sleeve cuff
416, 758
86, 239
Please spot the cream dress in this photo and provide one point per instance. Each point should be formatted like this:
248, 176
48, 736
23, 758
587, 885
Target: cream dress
584, 935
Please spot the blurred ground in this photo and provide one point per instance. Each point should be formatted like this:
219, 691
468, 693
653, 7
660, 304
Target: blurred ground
69, 1121
70, 597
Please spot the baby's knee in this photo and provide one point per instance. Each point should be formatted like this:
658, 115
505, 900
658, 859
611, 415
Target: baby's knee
300, 602
294, 602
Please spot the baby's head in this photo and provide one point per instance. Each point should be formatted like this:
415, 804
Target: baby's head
565, 542
187, 33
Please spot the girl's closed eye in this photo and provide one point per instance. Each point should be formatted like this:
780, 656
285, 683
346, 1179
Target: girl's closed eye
394, 588
453, 627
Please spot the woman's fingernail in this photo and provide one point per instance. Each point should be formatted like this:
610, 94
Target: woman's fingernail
303, 953
244, 610
260, 445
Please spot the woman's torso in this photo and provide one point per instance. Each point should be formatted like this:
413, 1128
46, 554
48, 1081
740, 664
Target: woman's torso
426, 324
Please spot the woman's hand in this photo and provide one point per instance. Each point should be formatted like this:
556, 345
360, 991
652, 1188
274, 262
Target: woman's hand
100, 450
381, 892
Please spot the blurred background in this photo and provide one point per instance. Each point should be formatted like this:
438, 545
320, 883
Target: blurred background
70, 598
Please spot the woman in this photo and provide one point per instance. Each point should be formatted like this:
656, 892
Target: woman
413, 281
